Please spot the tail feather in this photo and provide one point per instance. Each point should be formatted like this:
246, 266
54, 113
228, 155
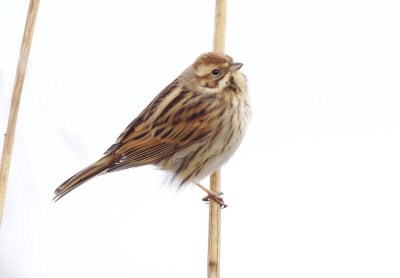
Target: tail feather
89, 172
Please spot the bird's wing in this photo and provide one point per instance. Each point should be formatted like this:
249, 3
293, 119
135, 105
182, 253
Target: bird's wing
175, 119
151, 108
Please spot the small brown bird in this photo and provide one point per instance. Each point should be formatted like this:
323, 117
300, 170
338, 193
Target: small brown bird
190, 129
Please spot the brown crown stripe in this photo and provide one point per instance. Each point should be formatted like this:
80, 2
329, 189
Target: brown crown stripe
212, 58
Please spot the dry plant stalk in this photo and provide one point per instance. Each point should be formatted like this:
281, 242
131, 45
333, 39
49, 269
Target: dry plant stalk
214, 224
16, 96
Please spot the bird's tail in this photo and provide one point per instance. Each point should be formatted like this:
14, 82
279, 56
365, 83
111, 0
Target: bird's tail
89, 172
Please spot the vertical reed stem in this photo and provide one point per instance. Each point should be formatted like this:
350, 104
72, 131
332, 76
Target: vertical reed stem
16, 96
214, 224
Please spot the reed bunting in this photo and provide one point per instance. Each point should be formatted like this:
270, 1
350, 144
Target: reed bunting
191, 128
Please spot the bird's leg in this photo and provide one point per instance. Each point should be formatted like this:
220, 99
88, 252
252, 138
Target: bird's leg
215, 196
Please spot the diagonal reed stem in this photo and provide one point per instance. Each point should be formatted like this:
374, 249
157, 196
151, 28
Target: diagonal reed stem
214, 224
16, 96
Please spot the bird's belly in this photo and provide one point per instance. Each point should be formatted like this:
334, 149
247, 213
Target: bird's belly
215, 151
218, 152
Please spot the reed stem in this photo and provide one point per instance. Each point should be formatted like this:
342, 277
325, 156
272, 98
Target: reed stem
15, 100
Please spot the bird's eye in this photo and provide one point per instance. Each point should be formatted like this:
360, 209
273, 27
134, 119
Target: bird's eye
215, 72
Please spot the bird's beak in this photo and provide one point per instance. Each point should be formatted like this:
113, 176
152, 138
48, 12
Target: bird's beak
235, 66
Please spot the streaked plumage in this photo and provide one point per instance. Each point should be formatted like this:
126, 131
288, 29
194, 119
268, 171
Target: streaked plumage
191, 128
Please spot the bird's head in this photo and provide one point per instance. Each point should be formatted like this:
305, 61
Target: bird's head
213, 70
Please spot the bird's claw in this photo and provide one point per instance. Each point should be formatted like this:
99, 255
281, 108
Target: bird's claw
216, 197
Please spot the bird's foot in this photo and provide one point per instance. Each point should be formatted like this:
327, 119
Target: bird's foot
216, 197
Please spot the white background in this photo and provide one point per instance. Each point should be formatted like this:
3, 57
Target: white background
314, 190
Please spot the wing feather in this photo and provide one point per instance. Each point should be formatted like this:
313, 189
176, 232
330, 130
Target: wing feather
143, 116
174, 120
